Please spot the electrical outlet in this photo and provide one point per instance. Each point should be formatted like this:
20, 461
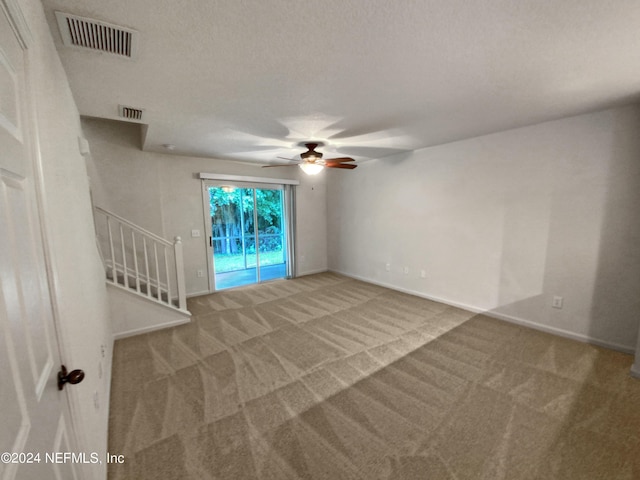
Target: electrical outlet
387, 267
200, 273
557, 302
195, 233
423, 274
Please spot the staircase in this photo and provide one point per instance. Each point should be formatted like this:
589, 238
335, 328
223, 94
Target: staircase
144, 271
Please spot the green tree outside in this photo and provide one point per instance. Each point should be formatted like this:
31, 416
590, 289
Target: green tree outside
233, 225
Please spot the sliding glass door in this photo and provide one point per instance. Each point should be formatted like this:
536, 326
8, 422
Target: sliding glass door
248, 240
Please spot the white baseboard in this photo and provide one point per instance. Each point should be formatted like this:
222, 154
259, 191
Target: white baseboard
198, 294
138, 331
562, 333
299, 274
499, 316
311, 272
390, 286
635, 369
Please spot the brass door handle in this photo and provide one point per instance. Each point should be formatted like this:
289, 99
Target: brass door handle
73, 377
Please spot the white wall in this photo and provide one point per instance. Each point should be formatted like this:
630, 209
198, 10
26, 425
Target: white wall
135, 314
311, 233
162, 193
504, 222
635, 369
79, 277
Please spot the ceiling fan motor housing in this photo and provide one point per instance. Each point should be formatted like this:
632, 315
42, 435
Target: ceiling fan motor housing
311, 153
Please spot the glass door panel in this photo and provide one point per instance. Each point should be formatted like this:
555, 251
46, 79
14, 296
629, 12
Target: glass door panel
232, 238
271, 234
247, 235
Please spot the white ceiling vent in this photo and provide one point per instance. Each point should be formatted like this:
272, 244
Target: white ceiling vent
95, 35
130, 113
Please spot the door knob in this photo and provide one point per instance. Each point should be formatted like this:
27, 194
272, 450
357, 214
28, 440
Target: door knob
73, 377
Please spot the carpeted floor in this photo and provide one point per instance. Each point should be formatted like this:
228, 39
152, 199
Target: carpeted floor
325, 377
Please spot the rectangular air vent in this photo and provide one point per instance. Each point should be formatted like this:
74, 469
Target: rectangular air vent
95, 35
130, 113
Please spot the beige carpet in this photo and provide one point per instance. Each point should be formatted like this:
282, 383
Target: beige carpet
325, 377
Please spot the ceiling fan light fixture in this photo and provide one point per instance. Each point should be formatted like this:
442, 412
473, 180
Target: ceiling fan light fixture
311, 168
312, 162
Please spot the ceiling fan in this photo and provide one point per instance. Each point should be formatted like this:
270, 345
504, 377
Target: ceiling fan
312, 162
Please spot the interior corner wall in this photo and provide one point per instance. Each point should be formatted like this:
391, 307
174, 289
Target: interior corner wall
84, 322
163, 194
504, 223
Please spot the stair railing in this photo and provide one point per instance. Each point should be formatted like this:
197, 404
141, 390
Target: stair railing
139, 260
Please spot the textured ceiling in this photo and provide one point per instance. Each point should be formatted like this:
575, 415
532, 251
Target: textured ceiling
251, 79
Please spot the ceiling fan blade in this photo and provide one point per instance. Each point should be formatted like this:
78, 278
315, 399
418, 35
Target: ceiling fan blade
341, 159
341, 165
281, 165
290, 159
332, 163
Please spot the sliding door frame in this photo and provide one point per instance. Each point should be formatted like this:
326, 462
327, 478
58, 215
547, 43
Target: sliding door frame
288, 204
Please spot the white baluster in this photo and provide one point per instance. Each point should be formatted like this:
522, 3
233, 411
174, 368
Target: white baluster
135, 260
155, 253
146, 266
124, 258
182, 297
112, 253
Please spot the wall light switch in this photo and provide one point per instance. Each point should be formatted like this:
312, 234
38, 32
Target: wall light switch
195, 233
387, 267
200, 273
406, 270
83, 146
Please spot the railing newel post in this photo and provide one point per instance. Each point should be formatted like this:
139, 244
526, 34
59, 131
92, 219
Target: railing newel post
182, 297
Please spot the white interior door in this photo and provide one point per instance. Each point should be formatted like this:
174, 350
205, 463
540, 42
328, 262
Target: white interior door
34, 415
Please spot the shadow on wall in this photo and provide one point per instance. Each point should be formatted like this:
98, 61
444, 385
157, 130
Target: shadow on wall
399, 158
578, 245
